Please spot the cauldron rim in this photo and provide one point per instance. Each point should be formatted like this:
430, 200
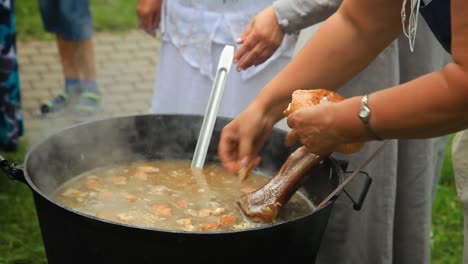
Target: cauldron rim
36, 190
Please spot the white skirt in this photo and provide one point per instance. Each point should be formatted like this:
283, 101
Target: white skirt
181, 89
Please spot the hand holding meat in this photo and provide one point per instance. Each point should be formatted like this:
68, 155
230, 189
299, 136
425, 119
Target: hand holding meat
310, 115
264, 204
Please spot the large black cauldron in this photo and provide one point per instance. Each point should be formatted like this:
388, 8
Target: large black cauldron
72, 237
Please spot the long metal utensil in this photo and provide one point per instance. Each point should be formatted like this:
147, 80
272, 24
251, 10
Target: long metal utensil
356, 171
209, 119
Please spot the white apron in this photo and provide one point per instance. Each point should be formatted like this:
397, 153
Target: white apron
194, 33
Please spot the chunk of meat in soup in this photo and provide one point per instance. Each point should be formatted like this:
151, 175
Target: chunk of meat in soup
168, 195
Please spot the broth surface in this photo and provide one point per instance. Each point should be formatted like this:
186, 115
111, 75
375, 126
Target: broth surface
169, 195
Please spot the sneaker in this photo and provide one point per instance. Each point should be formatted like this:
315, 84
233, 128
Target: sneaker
56, 104
89, 102
61, 101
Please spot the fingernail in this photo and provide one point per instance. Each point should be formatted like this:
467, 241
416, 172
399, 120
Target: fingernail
244, 162
235, 61
238, 40
239, 69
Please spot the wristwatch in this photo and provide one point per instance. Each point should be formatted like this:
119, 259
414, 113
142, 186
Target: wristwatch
364, 114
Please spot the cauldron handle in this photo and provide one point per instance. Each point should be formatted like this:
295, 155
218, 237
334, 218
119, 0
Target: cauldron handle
358, 204
343, 164
347, 180
14, 172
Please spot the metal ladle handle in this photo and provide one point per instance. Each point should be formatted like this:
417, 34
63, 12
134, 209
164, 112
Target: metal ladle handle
216, 95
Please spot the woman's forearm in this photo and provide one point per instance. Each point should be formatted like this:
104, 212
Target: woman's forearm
340, 49
432, 105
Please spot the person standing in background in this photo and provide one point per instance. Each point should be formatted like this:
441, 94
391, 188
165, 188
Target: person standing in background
193, 35
11, 114
71, 22
395, 222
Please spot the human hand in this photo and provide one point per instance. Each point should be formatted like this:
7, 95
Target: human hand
242, 139
149, 15
259, 41
314, 127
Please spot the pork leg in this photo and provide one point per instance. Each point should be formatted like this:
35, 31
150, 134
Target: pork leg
264, 204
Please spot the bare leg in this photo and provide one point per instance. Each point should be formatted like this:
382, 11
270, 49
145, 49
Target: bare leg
87, 63
70, 59
90, 98
69, 56
77, 57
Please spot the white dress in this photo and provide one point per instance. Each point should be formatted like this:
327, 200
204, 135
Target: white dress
394, 223
194, 33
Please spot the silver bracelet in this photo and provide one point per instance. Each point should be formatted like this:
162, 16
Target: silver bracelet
365, 114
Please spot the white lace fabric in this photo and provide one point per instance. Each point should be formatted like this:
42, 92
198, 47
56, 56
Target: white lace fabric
194, 25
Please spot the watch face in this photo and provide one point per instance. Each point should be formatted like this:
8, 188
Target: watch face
363, 113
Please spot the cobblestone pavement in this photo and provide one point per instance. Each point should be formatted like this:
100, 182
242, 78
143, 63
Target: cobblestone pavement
125, 66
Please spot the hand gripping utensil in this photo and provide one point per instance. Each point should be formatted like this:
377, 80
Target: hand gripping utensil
209, 119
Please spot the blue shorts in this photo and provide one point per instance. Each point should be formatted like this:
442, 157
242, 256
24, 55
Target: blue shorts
71, 19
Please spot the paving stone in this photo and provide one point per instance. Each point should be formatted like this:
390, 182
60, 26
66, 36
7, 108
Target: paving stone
32, 68
104, 49
50, 50
41, 59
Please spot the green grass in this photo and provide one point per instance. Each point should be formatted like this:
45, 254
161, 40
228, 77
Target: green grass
117, 16
447, 218
20, 238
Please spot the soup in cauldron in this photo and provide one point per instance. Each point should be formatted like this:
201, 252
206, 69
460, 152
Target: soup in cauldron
169, 195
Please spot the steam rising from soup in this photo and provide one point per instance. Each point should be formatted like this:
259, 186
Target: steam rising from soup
169, 195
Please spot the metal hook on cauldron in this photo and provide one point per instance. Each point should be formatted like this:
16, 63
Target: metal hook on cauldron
14, 172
